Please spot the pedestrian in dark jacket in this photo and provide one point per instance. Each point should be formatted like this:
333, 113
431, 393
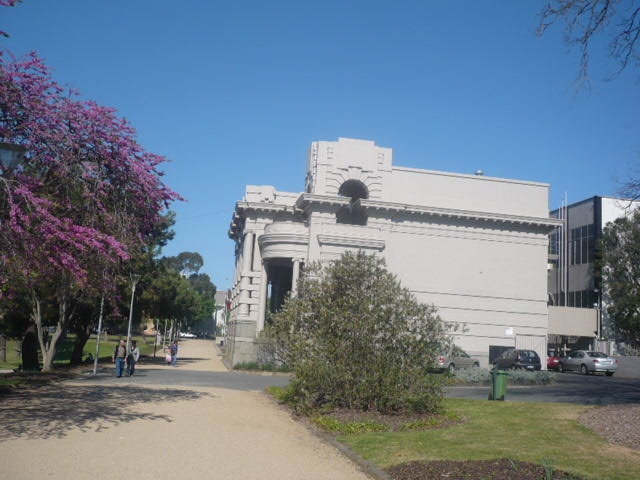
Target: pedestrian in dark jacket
119, 356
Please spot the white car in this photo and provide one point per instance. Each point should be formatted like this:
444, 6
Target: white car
456, 360
187, 335
586, 361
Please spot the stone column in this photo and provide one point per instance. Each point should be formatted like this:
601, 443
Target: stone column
295, 276
247, 252
262, 308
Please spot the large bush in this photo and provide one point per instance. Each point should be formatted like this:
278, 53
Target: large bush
355, 338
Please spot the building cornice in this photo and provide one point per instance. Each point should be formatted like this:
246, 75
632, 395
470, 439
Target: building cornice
351, 241
235, 229
307, 199
543, 222
242, 207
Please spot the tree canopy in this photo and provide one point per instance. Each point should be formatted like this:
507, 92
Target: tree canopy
83, 199
354, 337
620, 247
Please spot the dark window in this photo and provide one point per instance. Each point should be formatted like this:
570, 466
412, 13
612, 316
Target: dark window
554, 244
582, 244
352, 214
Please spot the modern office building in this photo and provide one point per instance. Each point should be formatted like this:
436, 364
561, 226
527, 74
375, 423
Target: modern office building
573, 279
474, 246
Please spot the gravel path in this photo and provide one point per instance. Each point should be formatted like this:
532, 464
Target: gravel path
115, 429
619, 424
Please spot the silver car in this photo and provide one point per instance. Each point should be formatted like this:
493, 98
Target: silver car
455, 360
587, 361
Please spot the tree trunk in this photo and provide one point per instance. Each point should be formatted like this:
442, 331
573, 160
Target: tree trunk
49, 351
81, 340
3, 347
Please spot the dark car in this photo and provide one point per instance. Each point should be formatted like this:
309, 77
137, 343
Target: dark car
517, 359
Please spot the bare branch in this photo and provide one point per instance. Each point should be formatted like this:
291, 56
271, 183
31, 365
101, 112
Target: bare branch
587, 19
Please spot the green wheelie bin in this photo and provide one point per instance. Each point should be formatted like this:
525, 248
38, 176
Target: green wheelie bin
498, 384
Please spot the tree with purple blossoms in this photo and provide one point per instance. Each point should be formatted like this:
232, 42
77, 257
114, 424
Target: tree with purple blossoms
83, 200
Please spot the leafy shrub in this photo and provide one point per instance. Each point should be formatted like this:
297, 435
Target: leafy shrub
355, 338
262, 367
523, 377
482, 376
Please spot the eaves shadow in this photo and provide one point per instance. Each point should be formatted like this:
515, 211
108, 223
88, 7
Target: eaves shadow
53, 410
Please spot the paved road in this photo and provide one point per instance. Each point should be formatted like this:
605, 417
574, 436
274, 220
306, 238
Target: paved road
624, 387
570, 388
190, 422
182, 376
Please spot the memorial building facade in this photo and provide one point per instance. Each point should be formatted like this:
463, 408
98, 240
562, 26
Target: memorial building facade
474, 246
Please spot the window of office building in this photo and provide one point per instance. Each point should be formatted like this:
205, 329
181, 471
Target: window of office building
582, 299
582, 244
554, 244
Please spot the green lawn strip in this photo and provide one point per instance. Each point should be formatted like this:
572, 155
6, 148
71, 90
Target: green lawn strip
13, 360
65, 348
543, 433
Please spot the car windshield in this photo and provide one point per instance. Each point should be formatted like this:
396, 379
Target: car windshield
597, 354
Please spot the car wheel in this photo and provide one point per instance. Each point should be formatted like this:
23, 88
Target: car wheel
452, 368
583, 370
475, 365
609, 374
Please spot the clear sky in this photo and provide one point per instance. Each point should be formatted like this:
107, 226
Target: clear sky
234, 92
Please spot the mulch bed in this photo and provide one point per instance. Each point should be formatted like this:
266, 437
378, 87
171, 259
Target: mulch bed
500, 469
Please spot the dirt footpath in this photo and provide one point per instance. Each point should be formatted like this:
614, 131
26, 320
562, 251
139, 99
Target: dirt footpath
113, 430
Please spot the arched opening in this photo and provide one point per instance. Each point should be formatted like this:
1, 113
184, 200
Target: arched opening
354, 189
352, 214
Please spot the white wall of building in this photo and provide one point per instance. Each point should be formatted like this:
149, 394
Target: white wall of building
474, 246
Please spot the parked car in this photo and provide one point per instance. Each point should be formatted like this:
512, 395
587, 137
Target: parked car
518, 359
188, 335
553, 360
457, 359
587, 361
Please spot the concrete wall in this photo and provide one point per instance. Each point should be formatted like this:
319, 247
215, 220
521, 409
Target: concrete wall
473, 193
579, 322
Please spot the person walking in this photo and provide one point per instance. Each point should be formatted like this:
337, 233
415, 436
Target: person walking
173, 350
119, 356
132, 358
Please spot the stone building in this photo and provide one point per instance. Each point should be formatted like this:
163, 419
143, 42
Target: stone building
472, 245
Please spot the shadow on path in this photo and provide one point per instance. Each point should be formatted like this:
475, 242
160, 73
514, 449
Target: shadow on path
160, 360
53, 410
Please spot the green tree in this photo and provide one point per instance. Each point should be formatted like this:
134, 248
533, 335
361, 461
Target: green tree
202, 322
355, 338
172, 296
620, 264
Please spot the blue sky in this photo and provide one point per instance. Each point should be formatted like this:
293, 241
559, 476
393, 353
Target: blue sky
233, 93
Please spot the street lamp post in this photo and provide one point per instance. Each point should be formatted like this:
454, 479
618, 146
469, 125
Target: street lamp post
134, 281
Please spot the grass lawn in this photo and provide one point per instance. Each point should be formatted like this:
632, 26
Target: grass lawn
542, 433
65, 348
